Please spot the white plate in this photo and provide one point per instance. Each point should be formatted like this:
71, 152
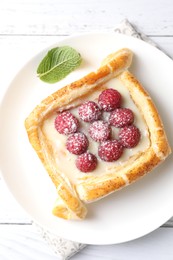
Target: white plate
125, 215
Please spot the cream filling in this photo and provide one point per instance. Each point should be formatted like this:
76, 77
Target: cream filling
65, 161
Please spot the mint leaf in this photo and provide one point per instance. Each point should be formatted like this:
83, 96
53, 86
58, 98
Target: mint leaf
58, 63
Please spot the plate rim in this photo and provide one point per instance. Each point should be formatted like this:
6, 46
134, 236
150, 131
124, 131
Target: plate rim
5, 94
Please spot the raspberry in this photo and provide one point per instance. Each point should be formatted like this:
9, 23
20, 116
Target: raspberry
66, 123
100, 131
89, 111
110, 151
86, 162
129, 136
77, 143
109, 99
121, 117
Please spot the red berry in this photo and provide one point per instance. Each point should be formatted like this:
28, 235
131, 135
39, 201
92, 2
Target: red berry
109, 99
110, 151
77, 143
86, 162
66, 123
100, 131
89, 111
129, 136
121, 117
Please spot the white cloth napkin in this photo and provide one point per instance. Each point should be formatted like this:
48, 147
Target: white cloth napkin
66, 248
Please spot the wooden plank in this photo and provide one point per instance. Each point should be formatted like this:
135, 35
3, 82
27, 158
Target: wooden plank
31, 45
23, 243
156, 245
67, 17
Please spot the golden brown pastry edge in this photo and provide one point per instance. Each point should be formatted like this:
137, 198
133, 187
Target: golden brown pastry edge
138, 165
68, 204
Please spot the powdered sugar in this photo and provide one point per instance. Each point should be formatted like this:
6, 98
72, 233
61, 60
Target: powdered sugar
109, 99
121, 117
89, 111
129, 136
86, 162
77, 143
105, 131
66, 123
100, 131
110, 151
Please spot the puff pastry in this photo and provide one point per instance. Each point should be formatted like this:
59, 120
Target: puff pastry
72, 194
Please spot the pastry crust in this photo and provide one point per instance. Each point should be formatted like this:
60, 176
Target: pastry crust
69, 204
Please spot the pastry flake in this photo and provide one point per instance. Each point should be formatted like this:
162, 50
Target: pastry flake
75, 188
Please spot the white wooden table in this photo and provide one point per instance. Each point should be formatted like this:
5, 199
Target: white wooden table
26, 27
